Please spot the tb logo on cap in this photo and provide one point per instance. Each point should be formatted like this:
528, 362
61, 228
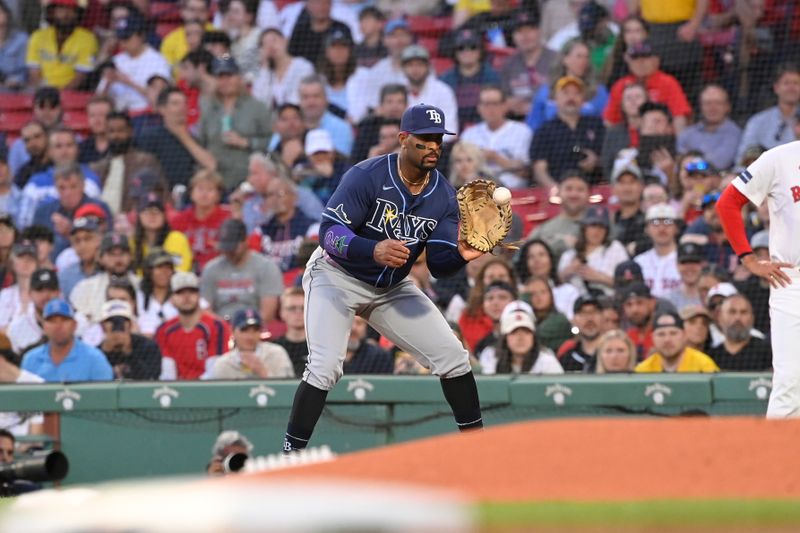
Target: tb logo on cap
434, 116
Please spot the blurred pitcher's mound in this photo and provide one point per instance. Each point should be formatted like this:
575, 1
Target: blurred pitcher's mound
591, 459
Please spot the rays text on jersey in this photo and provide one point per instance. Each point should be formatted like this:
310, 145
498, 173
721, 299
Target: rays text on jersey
388, 219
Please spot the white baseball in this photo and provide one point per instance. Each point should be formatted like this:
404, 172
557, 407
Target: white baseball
501, 196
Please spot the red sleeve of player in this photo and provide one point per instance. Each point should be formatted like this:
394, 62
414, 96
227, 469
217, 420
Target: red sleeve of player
729, 208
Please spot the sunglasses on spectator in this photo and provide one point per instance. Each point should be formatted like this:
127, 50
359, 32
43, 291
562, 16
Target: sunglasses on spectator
661, 222
698, 166
468, 47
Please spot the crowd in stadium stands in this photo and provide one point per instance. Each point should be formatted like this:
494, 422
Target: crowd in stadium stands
166, 163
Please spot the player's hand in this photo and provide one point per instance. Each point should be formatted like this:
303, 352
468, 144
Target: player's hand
769, 270
391, 253
468, 252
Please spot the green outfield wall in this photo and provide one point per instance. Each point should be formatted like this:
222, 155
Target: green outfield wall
126, 430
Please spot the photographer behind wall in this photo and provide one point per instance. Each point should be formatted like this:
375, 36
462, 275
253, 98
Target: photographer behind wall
226, 453
16, 486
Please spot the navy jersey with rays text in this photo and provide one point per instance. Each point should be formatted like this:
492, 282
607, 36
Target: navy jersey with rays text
372, 204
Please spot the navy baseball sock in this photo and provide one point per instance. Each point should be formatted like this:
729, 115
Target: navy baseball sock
462, 395
306, 410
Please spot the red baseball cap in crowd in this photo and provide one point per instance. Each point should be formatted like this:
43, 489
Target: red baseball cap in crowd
90, 210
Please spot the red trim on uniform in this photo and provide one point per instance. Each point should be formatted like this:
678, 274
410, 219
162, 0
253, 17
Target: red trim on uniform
729, 208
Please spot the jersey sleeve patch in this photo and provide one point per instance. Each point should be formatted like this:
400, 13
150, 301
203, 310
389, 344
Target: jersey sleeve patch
745, 176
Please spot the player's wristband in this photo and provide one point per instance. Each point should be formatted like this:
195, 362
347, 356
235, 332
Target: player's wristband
742, 256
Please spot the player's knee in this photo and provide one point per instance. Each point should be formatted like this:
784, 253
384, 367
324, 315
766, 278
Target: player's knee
454, 368
325, 380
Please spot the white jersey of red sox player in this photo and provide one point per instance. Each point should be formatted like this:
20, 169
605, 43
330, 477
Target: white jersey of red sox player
775, 177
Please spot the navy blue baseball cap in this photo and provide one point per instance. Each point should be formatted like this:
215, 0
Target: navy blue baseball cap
423, 118
57, 307
131, 25
245, 318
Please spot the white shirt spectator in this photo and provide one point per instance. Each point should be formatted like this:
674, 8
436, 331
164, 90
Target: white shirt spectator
660, 272
512, 140
154, 314
546, 363
89, 294
66, 259
267, 88
438, 93
11, 305
24, 331
19, 423
139, 69
267, 16
364, 88
603, 259
564, 297
340, 11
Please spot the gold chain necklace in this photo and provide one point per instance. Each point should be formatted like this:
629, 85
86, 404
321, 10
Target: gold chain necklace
411, 183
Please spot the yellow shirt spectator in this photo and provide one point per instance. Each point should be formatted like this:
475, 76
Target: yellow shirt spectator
58, 67
473, 7
661, 12
691, 361
177, 245
174, 46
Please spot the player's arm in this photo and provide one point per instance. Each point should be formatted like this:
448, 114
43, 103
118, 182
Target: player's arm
729, 208
446, 254
346, 211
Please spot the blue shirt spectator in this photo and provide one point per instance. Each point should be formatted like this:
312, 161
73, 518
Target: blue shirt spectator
64, 357
544, 107
43, 216
47, 110
13, 69
41, 189
10, 195
340, 130
467, 90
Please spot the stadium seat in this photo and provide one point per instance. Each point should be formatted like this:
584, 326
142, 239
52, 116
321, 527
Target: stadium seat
16, 102
424, 26
431, 44
11, 122
165, 12
75, 100
77, 121
441, 64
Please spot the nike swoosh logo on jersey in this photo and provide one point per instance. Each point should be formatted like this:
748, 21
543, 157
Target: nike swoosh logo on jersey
389, 188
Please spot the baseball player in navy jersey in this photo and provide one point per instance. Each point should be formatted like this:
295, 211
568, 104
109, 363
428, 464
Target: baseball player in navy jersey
384, 214
775, 178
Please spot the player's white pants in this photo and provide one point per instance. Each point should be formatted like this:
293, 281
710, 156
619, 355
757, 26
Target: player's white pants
784, 312
403, 314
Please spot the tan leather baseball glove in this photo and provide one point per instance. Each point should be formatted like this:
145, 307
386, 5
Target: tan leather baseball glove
484, 224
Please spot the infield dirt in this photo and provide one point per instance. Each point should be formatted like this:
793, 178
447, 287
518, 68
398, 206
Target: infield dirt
592, 460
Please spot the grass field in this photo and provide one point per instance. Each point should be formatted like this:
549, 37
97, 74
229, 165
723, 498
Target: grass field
716, 515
